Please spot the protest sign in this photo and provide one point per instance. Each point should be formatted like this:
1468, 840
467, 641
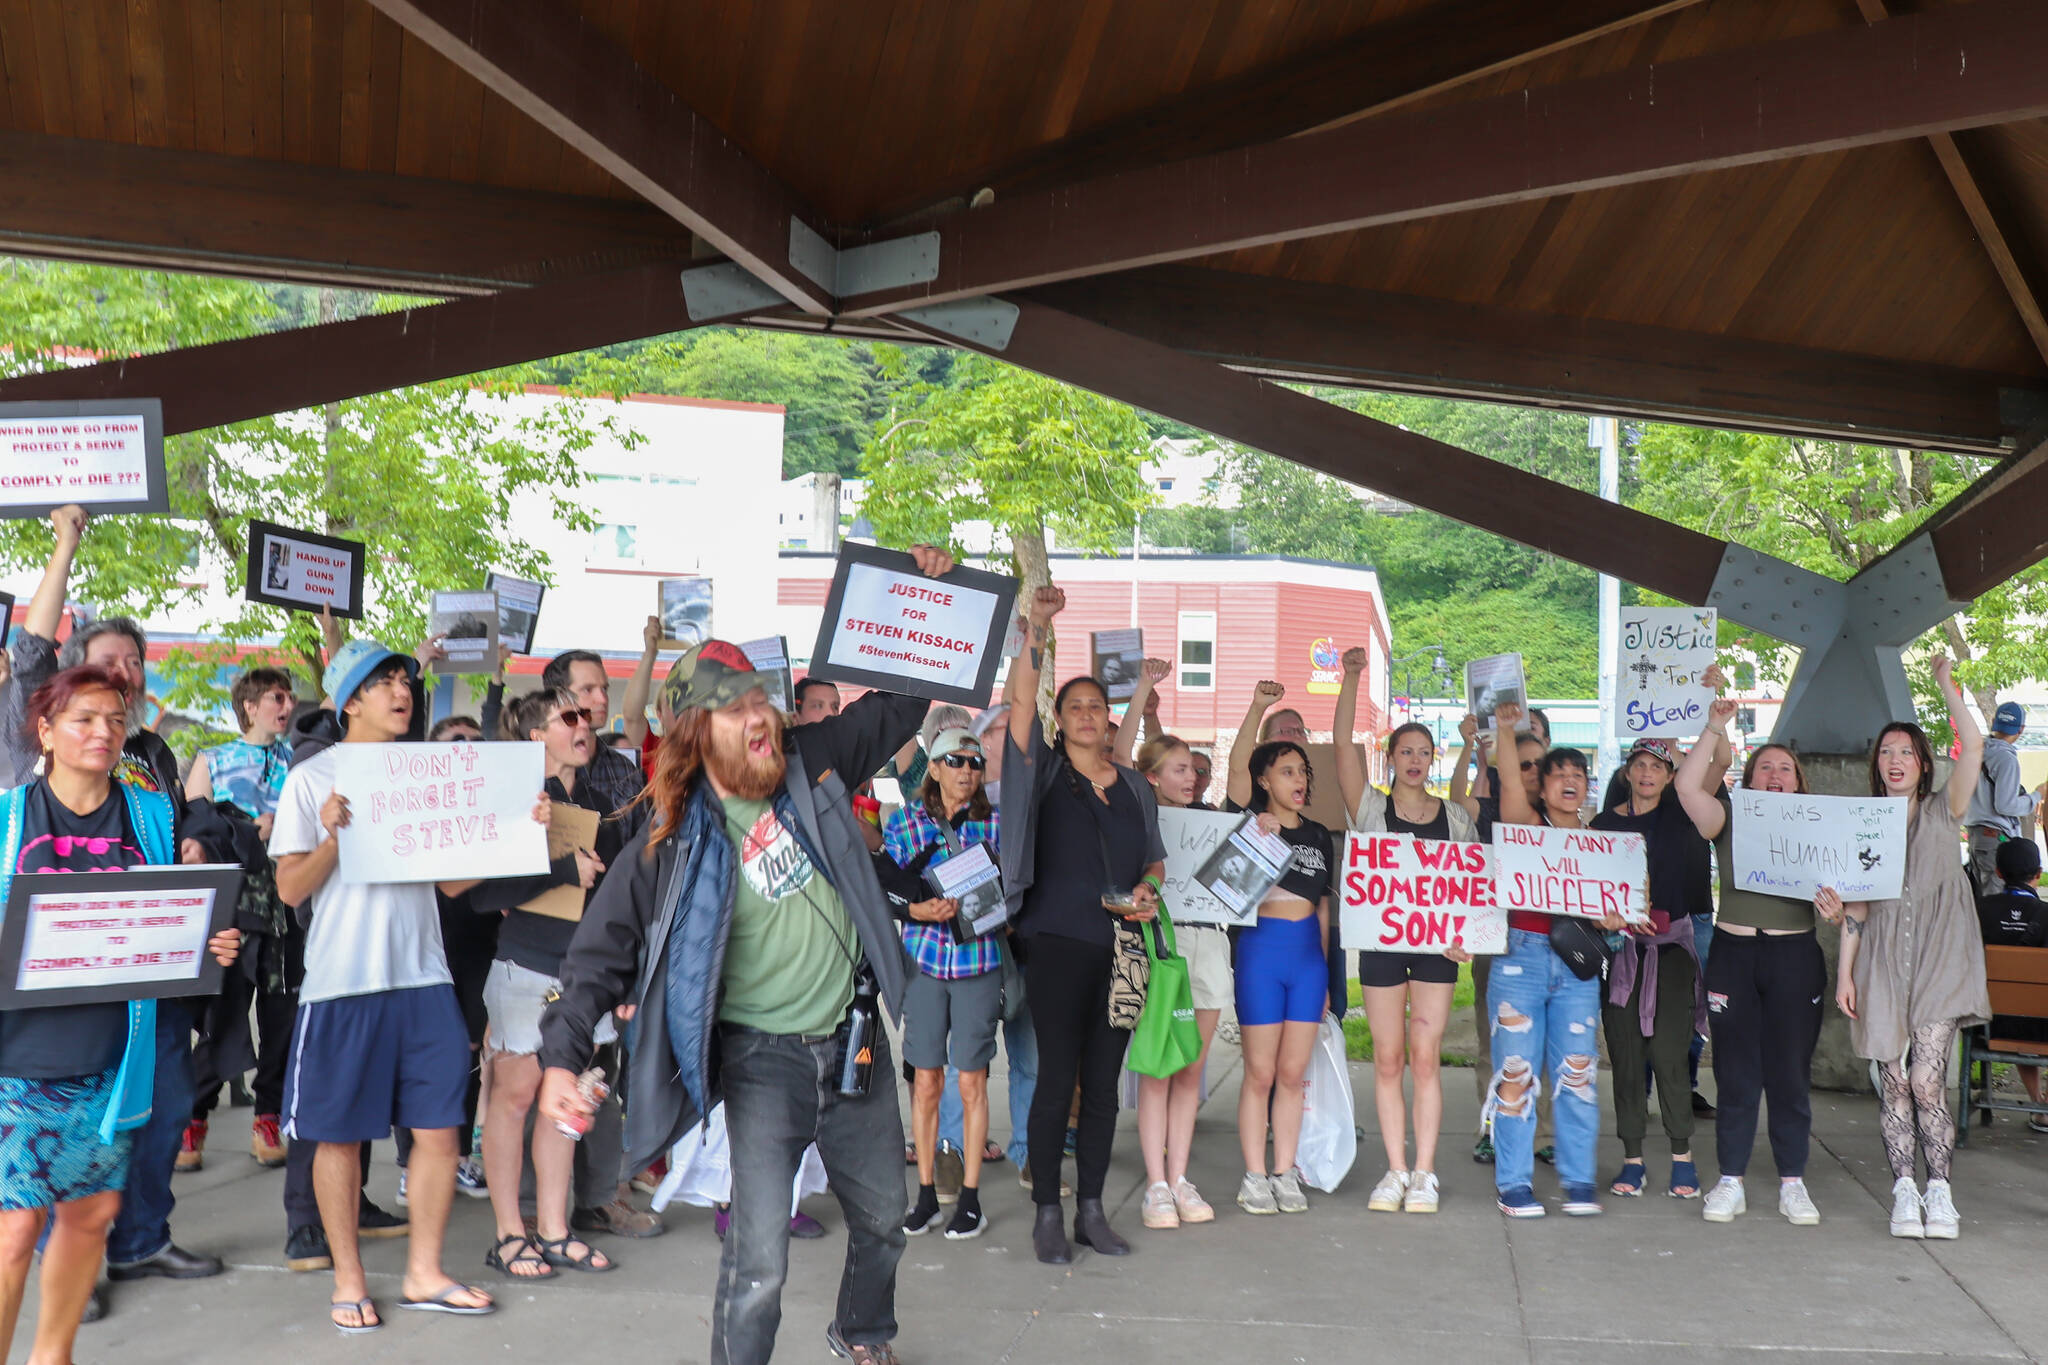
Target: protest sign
6, 615
105, 455
684, 606
467, 625
79, 938
1664, 651
972, 878
1581, 872
1786, 844
1191, 838
1493, 681
302, 571
518, 609
771, 655
1400, 894
1245, 866
569, 828
1116, 658
888, 626
440, 812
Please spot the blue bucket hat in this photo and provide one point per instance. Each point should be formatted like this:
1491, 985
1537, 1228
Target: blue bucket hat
354, 662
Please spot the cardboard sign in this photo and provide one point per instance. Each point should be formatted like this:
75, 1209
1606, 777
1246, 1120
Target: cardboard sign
1786, 844
467, 624
1492, 681
440, 812
1663, 653
80, 938
569, 828
1192, 838
1116, 658
302, 571
105, 455
518, 609
771, 655
1245, 866
684, 606
1581, 872
1400, 894
888, 626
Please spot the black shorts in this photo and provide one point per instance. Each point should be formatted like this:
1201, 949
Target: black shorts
1398, 969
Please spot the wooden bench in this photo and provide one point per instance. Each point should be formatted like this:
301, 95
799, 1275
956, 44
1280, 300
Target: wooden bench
2018, 981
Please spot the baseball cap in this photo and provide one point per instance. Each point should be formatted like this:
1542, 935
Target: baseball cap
711, 674
952, 741
354, 662
1655, 748
2019, 861
2009, 719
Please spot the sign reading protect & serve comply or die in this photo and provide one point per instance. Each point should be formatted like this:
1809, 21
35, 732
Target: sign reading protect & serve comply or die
104, 455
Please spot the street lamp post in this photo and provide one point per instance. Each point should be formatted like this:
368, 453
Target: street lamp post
1438, 673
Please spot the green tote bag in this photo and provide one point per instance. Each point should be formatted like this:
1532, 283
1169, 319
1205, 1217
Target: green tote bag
1166, 1039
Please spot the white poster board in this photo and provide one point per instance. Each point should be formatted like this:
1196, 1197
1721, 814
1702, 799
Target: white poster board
1116, 658
1493, 681
1664, 651
467, 624
518, 609
440, 812
1400, 894
890, 627
304, 571
107, 456
1581, 872
1191, 837
1786, 844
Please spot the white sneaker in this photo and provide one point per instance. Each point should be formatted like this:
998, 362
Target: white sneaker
1796, 1204
1388, 1194
1726, 1201
1906, 1209
1255, 1195
1942, 1221
1287, 1195
1421, 1193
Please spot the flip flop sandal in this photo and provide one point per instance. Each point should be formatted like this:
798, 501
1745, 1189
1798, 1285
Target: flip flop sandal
1629, 1184
527, 1252
556, 1253
367, 1319
444, 1302
1685, 1180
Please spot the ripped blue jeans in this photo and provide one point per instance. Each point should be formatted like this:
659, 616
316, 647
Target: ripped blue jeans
1545, 1024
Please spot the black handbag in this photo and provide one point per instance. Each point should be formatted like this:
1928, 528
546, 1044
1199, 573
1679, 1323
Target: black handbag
1582, 945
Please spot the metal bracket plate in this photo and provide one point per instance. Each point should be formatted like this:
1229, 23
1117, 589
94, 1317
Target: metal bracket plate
727, 290
1779, 598
1900, 598
888, 264
986, 322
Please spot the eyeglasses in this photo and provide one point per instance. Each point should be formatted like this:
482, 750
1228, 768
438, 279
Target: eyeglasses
573, 717
1529, 764
974, 761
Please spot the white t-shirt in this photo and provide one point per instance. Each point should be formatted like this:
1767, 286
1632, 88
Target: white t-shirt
383, 936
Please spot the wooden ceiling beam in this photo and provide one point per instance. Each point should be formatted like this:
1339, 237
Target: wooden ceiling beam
112, 203
551, 63
1956, 67
233, 381
1995, 530
1324, 333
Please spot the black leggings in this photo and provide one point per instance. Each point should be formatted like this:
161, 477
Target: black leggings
1763, 1008
1066, 985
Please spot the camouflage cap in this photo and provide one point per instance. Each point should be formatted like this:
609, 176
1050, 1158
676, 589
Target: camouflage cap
712, 674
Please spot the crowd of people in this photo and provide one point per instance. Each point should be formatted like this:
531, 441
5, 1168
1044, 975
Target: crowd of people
745, 920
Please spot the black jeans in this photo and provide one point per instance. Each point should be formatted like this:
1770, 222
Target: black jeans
1764, 1009
301, 1208
781, 1095
1677, 975
275, 1016
1066, 987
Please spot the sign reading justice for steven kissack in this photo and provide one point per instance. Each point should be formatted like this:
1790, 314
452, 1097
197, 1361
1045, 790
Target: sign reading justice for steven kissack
440, 812
888, 626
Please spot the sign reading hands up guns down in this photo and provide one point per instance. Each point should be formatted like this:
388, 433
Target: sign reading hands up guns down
1665, 652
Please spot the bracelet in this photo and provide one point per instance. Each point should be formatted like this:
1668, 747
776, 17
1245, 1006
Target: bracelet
1152, 880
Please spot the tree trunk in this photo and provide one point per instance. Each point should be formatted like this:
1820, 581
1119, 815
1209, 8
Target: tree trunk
1034, 571
1987, 700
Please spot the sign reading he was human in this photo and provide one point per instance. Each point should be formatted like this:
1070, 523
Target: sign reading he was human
302, 571
1787, 844
1582, 872
105, 455
890, 627
440, 812
1664, 654
1400, 894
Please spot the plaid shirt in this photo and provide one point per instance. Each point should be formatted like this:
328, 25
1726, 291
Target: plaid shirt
910, 831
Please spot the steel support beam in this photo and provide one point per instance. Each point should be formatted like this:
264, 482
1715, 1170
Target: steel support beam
1956, 67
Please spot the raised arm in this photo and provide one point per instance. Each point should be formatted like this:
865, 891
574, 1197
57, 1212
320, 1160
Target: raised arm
1514, 799
1461, 793
1962, 781
1238, 782
1350, 771
46, 608
1698, 782
1127, 733
1046, 603
633, 705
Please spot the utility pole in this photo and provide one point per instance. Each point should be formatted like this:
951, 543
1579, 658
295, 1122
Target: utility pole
1604, 435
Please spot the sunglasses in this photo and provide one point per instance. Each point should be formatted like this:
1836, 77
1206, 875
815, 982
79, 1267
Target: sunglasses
1529, 764
974, 761
573, 717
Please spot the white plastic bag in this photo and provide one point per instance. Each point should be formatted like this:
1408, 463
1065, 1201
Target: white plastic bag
700, 1169
1329, 1125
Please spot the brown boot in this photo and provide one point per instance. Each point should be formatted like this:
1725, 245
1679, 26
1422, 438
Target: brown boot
266, 1144
192, 1151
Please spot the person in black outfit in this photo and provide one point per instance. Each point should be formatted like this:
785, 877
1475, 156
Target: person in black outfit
1078, 828
2016, 918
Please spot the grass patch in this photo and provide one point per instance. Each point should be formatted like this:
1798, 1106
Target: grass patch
1358, 1032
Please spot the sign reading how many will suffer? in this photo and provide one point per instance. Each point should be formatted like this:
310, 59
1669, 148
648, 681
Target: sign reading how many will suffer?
440, 812
103, 455
1399, 894
890, 627
1581, 872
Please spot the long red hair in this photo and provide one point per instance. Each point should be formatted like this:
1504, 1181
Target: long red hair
678, 763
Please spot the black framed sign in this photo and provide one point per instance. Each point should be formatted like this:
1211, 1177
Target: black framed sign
106, 455
888, 626
303, 571
84, 938
518, 609
6, 615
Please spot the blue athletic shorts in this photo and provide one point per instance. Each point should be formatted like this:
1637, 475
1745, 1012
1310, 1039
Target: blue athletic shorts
362, 1064
1281, 974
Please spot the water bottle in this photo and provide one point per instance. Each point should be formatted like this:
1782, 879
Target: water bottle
857, 1051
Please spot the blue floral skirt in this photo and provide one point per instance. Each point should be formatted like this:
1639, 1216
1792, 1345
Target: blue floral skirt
50, 1148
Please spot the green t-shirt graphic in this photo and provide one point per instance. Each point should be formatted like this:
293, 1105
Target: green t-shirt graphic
789, 959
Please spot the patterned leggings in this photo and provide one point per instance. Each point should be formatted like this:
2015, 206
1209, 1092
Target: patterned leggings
1917, 1094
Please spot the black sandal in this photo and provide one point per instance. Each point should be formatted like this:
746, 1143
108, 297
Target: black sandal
528, 1252
556, 1253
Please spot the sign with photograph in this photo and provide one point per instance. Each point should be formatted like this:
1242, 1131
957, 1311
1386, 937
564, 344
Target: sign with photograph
972, 878
888, 626
6, 615
1582, 872
771, 655
466, 623
106, 455
81, 938
1116, 658
302, 571
1400, 894
1245, 866
1664, 652
518, 609
684, 606
440, 812
1786, 844
1493, 681
1192, 838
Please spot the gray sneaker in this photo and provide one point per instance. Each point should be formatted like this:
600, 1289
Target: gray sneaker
1255, 1195
1287, 1193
